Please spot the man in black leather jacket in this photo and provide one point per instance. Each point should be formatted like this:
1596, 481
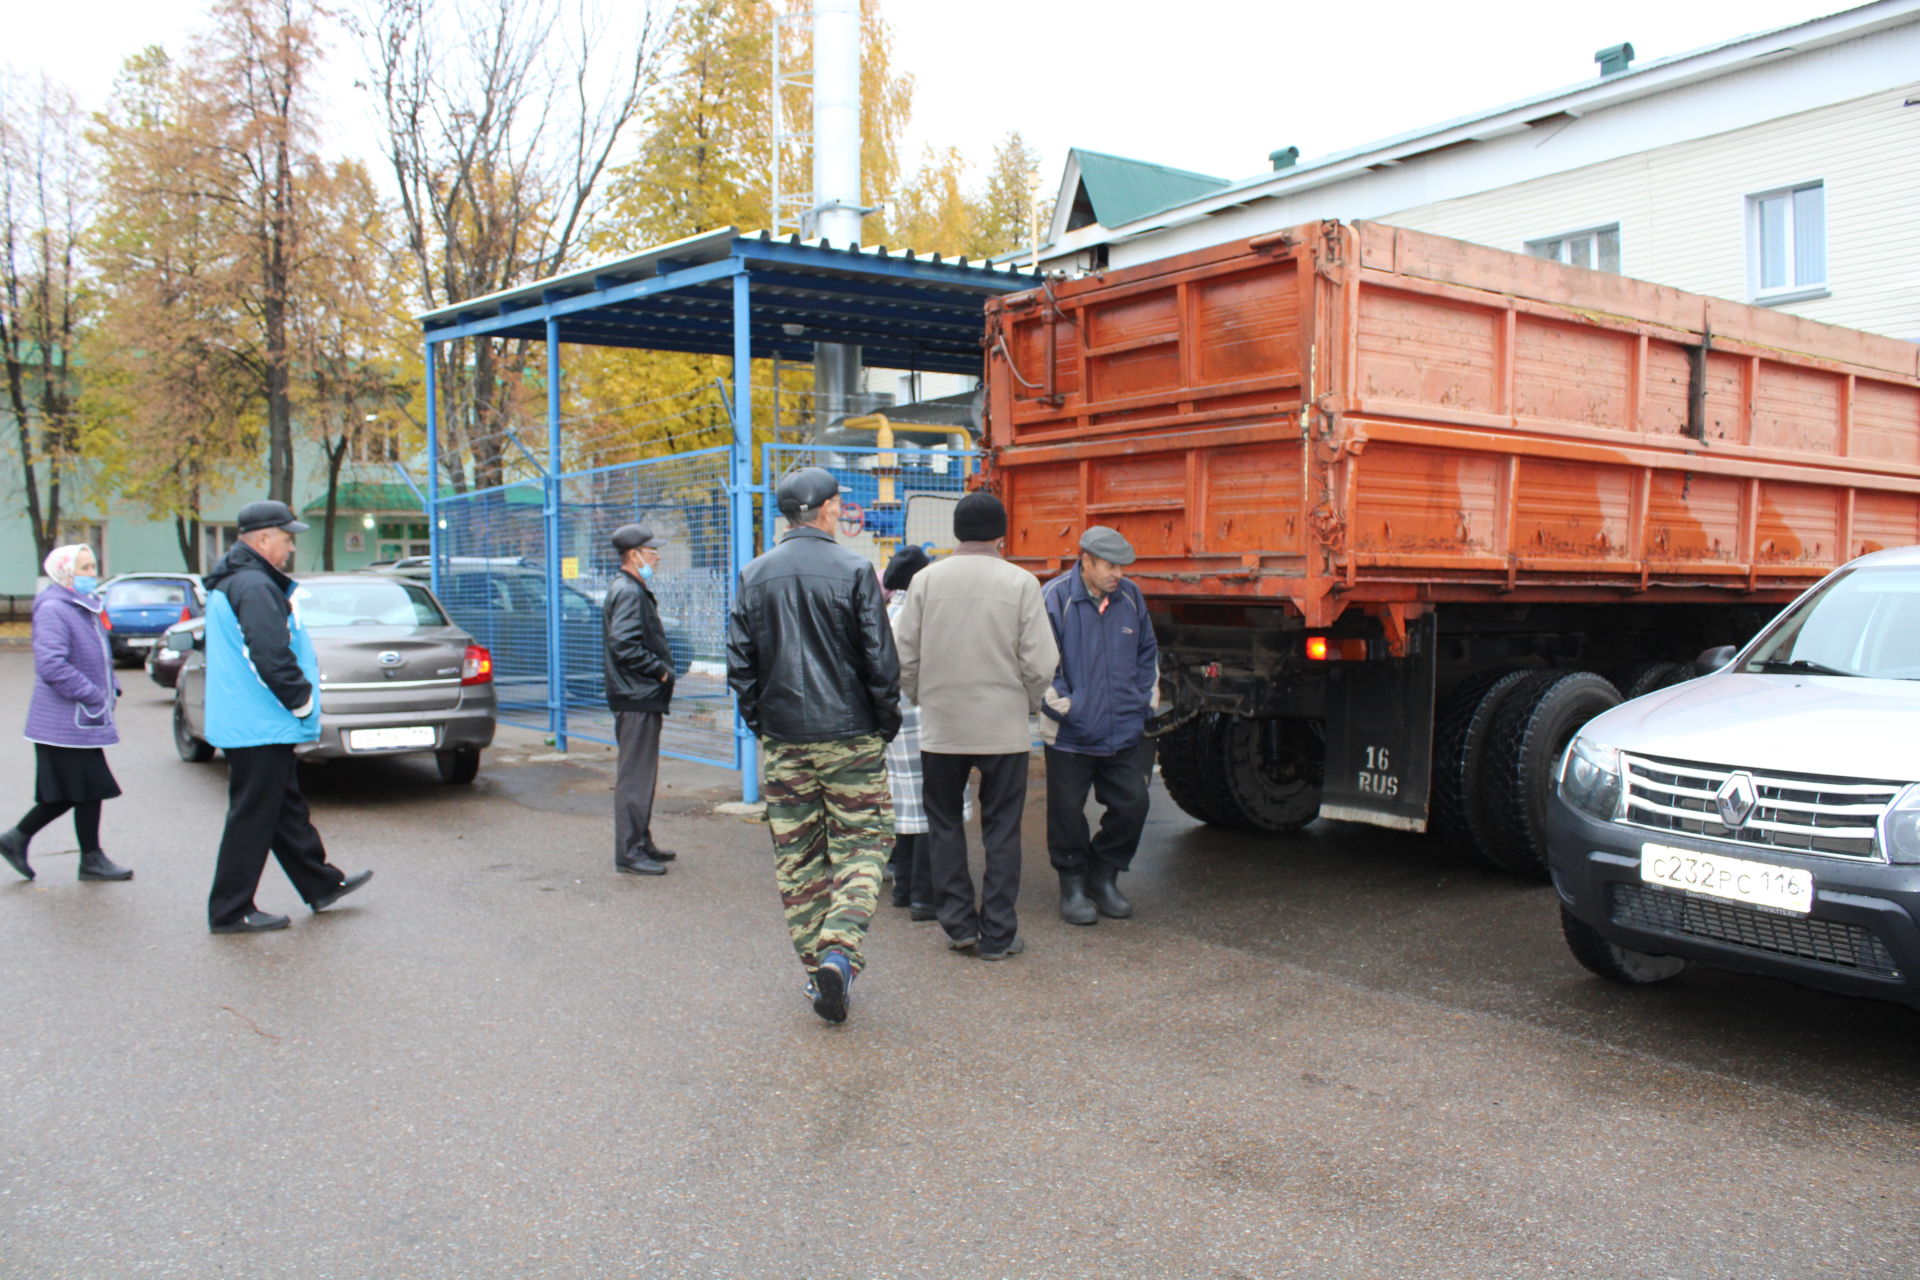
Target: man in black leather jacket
810, 659
639, 674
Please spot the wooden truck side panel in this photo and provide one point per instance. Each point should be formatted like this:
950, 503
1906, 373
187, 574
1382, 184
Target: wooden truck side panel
1339, 415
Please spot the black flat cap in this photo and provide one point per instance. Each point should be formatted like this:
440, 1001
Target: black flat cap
629, 536
268, 514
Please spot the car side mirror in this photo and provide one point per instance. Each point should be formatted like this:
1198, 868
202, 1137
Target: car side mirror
1713, 659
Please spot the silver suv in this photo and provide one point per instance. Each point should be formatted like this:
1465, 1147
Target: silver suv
1766, 817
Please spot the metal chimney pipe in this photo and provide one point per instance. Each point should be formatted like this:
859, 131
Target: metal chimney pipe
837, 209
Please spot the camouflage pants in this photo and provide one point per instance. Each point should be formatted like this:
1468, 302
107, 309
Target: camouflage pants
832, 821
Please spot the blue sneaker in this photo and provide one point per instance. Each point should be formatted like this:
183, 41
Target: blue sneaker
834, 982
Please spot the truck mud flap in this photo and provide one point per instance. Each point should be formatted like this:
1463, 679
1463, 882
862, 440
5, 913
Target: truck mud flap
1379, 736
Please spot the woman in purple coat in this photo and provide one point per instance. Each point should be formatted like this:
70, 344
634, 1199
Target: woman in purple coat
70, 720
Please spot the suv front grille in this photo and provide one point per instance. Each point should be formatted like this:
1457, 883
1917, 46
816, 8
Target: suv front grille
1847, 946
1795, 812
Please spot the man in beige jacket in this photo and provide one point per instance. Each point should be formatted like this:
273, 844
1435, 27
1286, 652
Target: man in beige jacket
977, 654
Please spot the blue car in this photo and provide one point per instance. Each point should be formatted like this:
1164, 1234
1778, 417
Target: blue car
141, 606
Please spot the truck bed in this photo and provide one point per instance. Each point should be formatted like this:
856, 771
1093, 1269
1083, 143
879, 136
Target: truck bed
1357, 414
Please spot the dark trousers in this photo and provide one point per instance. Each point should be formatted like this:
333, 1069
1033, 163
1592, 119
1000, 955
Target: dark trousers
1003, 794
635, 776
912, 863
266, 812
1119, 784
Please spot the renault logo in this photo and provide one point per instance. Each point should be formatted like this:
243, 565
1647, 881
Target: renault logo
1735, 800
391, 658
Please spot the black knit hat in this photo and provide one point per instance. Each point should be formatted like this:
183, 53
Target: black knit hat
979, 517
906, 562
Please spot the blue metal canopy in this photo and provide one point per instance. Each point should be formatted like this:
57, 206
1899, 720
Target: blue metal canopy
903, 310
747, 297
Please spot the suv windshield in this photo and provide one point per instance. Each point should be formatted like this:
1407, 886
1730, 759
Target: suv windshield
355, 603
1864, 622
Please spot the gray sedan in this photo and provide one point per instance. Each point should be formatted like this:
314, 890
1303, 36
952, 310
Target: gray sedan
396, 677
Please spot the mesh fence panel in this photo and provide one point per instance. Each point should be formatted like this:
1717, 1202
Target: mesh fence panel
889, 497
493, 548
682, 498
495, 575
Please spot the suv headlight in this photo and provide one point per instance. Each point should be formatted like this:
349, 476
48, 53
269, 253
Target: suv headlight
1590, 778
1899, 833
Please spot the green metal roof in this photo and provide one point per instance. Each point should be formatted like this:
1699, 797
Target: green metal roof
362, 495
1121, 190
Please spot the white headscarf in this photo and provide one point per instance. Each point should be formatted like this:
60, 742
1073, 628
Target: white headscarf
60, 563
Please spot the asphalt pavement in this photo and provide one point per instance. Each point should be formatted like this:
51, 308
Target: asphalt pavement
1346, 1054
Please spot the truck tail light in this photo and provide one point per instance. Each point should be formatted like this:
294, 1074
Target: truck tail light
1327, 649
477, 668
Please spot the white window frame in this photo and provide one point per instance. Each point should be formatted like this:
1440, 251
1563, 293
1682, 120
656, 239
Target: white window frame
216, 539
1533, 246
76, 530
1796, 289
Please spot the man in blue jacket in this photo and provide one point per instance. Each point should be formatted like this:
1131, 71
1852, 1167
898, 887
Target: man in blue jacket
1093, 723
263, 698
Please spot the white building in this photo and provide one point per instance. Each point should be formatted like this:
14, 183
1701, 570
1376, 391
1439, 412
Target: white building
1781, 168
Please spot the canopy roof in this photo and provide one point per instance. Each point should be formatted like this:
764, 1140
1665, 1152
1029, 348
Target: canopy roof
906, 311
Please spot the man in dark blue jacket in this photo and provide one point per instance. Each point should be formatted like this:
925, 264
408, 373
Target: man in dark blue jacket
1094, 725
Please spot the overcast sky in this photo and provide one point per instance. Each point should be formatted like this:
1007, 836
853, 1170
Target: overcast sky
1213, 91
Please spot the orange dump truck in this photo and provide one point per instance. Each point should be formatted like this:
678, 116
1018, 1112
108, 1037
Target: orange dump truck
1409, 510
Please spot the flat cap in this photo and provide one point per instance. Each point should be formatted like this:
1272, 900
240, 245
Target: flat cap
629, 536
268, 514
1106, 543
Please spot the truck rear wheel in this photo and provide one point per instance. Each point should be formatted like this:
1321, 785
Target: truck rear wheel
1459, 750
1535, 723
1187, 768
1272, 770
1612, 961
1646, 677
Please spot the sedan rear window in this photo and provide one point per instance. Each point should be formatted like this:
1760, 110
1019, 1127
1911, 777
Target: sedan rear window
133, 595
368, 604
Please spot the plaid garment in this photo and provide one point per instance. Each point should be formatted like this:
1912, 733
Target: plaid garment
903, 762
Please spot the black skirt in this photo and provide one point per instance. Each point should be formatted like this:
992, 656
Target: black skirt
71, 775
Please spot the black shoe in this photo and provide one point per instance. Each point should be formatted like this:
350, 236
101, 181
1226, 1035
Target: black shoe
901, 897
922, 911
1012, 948
1075, 906
13, 847
254, 922
661, 855
1106, 895
344, 888
640, 865
962, 943
833, 986
95, 865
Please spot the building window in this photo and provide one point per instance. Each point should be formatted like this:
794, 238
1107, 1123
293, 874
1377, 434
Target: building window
90, 533
1788, 234
1596, 248
215, 541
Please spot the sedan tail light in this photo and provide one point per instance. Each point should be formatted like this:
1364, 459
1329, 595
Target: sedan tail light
477, 667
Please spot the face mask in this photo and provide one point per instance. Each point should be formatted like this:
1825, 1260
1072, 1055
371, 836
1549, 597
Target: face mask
85, 585
646, 573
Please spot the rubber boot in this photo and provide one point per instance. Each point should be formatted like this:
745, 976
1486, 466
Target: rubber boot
1106, 895
13, 847
1075, 906
95, 865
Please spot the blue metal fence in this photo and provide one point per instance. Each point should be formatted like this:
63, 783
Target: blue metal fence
505, 555
889, 497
